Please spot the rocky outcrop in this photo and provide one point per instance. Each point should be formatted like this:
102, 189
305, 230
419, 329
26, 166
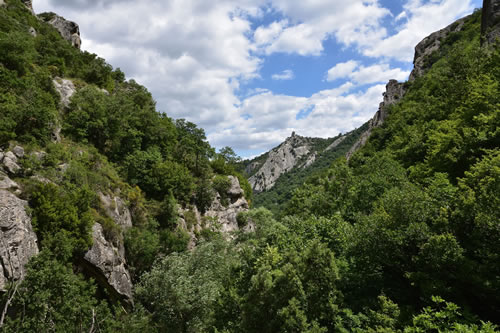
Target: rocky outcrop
105, 261
431, 44
490, 21
6, 183
65, 88
116, 209
69, 30
226, 215
9, 162
221, 216
280, 160
335, 143
18, 242
2, 3
394, 91
107, 265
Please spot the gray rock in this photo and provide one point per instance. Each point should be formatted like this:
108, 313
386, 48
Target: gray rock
10, 163
108, 267
63, 167
7, 183
116, 209
18, 151
279, 160
69, 30
2, 3
18, 242
490, 21
65, 88
394, 91
429, 45
235, 190
2, 154
336, 143
32, 32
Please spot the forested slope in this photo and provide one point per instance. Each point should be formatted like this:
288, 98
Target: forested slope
403, 238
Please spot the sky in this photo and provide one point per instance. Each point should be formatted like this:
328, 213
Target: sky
249, 72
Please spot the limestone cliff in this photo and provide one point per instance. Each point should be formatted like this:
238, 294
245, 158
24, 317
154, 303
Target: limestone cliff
69, 30
279, 160
18, 242
394, 91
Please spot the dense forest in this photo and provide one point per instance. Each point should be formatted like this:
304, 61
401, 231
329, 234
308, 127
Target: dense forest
405, 237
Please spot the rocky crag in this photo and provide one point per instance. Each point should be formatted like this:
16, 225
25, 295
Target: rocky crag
490, 22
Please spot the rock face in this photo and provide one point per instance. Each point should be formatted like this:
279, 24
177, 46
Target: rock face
107, 265
431, 44
280, 160
7, 183
69, 30
65, 88
394, 91
18, 242
226, 216
105, 261
116, 209
218, 217
490, 21
9, 161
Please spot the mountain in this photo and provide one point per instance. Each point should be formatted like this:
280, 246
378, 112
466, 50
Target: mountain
115, 217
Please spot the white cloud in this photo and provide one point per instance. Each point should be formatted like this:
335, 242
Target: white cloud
193, 56
421, 20
287, 74
341, 70
360, 75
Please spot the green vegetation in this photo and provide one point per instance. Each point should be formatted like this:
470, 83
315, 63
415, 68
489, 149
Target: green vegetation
275, 198
403, 238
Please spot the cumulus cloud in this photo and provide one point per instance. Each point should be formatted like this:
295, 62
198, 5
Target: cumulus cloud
421, 20
287, 74
195, 55
361, 75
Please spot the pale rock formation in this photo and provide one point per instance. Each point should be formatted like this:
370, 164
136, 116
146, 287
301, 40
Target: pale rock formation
65, 88
429, 45
69, 30
105, 263
18, 151
116, 208
18, 242
10, 163
394, 91
7, 183
280, 160
335, 143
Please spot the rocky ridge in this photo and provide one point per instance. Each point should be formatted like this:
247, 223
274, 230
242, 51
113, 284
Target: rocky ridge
394, 91
279, 160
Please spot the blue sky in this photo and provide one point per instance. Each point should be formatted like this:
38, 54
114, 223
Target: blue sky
252, 71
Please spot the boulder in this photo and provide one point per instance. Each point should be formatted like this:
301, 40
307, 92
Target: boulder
105, 263
69, 30
29, 5
10, 163
32, 32
7, 183
18, 151
65, 88
18, 242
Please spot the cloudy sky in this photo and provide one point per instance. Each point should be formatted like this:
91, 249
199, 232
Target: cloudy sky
252, 71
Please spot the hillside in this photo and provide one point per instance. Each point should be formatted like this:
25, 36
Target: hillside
115, 217
276, 174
